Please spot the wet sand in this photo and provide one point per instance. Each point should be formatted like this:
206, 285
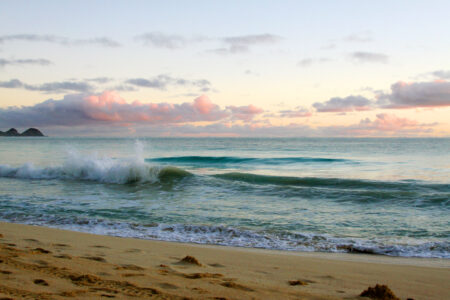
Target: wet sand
45, 263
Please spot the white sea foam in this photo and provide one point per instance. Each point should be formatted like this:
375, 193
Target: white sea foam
230, 236
78, 166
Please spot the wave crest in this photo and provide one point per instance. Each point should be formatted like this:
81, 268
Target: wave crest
92, 168
214, 160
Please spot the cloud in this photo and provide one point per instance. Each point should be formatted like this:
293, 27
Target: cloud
100, 80
371, 57
417, 94
360, 37
309, 61
243, 43
300, 112
54, 39
231, 44
245, 113
347, 104
109, 114
383, 125
21, 62
110, 108
162, 40
441, 74
49, 87
162, 82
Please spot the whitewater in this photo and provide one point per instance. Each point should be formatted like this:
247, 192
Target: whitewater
377, 196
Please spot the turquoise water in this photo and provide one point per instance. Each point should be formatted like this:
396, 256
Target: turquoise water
384, 196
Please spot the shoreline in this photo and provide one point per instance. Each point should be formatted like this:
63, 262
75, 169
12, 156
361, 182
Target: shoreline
226, 272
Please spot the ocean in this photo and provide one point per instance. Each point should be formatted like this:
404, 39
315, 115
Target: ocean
388, 196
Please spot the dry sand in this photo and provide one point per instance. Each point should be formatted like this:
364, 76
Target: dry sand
44, 263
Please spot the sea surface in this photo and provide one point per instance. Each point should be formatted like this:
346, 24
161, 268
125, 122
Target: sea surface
382, 196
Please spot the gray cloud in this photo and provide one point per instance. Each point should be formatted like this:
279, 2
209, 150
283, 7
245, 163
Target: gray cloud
21, 62
99, 41
347, 104
240, 44
304, 63
90, 85
418, 94
231, 44
441, 74
300, 112
360, 37
162, 82
100, 80
162, 40
371, 57
49, 87
402, 95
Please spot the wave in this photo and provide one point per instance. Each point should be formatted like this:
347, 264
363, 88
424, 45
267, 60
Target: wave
215, 160
240, 237
91, 168
328, 182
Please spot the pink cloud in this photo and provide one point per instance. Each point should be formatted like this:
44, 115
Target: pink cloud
110, 108
383, 125
204, 105
245, 113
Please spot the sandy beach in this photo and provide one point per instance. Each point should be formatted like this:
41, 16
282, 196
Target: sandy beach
46, 263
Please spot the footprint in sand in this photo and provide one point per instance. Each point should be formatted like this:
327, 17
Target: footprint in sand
40, 251
61, 245
202, 275
132, 275
129, 267
32, 241
300, 282
65, 256
133, 250
237, 286
166, 285
96, 258
41, 262
216, 265
40, 282
100, 247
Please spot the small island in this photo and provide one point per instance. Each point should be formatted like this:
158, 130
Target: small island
28, 132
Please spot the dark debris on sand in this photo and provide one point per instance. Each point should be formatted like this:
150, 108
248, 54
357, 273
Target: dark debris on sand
190, 260
297, 282
379, 292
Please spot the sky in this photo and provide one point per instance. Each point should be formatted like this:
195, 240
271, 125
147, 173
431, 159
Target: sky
226, 68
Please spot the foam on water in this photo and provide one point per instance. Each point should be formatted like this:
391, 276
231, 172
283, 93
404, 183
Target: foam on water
231, 236
92, 167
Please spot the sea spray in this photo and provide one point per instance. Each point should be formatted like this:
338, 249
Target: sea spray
92, 167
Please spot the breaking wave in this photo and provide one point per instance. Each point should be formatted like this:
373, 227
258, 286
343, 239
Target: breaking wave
98, 169
329, 182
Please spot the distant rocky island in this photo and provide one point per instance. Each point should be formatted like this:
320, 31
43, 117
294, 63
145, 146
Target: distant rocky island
28, 132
